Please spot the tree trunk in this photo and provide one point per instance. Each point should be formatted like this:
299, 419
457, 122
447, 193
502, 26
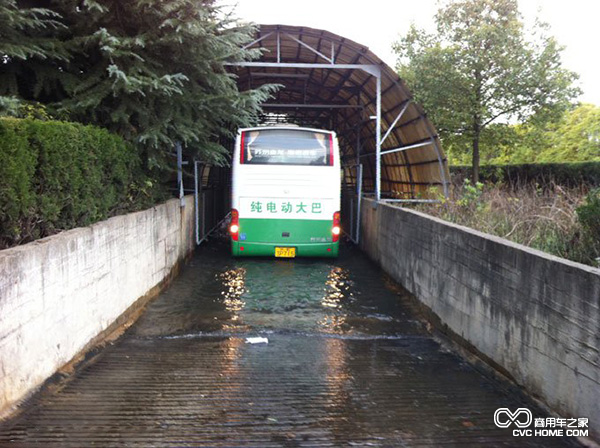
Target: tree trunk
476, 135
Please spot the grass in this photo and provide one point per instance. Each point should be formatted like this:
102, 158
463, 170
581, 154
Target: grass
543, 218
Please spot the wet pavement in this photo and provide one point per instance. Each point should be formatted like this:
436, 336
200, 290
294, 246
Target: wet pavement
348, 363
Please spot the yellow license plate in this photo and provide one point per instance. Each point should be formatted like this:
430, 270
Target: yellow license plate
285, 252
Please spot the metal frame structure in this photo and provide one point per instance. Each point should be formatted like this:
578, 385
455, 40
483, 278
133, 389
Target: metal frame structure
200, 210
371, 69
200, 196
284, 39
354, 231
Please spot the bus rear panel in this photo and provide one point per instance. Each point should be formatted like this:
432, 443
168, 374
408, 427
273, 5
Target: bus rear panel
286, 193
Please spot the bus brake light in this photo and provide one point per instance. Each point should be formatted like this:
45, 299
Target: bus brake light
234, 225
330, 149
336, 229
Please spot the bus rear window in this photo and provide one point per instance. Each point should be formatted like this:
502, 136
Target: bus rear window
286, 147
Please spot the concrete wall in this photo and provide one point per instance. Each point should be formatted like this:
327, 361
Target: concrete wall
59, 293
535, 315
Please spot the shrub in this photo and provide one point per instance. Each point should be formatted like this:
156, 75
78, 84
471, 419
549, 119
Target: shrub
570, 175
56, 175
589, 217
589, 213
549, 219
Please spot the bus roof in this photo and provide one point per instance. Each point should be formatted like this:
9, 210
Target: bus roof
290, 127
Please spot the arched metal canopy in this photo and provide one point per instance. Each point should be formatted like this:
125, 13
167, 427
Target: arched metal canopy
334, 83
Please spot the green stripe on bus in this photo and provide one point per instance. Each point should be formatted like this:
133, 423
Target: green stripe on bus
260, 237
268, 249
285, 231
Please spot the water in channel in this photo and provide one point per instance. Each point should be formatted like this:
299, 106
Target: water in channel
348, 362
221, 295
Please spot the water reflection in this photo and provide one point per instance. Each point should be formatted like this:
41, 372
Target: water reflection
337, 288
223, 295
297, 296
233, 281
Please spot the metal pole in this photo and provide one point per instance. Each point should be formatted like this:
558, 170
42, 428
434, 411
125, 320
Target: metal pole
197, 201
414, 201
278, 47
352, 216
378, 143
359, 191
180, 173
197, 212
358, 143
203, 213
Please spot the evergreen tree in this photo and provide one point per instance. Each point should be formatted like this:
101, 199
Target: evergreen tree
153, 72
24, 37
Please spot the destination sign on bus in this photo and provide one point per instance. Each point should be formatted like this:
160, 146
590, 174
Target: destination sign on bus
286, 153
286, 147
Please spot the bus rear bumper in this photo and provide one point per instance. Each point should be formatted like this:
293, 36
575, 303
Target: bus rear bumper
246, 249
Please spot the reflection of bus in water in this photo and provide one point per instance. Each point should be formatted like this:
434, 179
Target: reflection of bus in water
286, 193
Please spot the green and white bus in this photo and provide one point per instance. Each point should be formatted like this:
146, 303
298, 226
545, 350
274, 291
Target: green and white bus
285, 193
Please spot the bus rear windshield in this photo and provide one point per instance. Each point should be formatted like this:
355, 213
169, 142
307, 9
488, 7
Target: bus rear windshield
286, 147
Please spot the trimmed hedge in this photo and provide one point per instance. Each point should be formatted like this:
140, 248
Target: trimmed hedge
56, 176
543, 174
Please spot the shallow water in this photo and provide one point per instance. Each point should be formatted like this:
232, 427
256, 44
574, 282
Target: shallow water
348, 363
218, 294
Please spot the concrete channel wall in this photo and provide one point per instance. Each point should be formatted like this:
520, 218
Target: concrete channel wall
536, 316
58, 294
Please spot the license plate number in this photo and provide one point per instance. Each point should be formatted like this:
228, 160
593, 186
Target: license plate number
285, 252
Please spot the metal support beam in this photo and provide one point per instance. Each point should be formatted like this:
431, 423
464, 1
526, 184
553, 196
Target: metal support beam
358, 143
196, 201
359, 197
378, 142
371, 69
257, 40
318, 53
278, 46
311, 106
445, 181
438, 153
419, 201
180, 174
395, 122
278, 75
407, 147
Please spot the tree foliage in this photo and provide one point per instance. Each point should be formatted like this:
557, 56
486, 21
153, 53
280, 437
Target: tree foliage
24, 37
574, 137
479, 69
22, 32
151, 71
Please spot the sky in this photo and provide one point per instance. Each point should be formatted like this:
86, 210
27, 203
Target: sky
378, 23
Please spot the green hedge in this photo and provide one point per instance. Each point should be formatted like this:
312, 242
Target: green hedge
546, 174
56, 176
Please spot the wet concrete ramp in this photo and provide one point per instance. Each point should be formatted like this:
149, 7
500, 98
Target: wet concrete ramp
348, 363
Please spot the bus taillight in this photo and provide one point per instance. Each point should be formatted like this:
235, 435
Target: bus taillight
234, 225
336, 229
330, 149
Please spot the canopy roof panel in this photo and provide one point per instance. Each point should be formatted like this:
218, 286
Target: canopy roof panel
331, 82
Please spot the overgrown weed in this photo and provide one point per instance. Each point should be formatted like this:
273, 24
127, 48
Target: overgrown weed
561, 221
